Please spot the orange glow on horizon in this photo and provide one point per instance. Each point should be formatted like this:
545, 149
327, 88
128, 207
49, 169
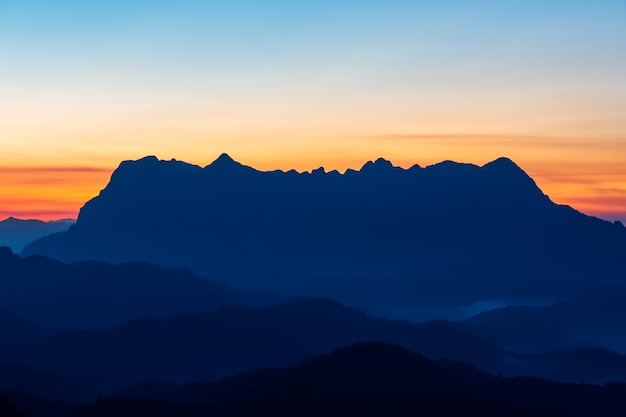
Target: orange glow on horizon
592, 179
48, 193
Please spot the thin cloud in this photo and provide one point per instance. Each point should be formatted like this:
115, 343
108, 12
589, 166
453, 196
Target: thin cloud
491, 139
49, 170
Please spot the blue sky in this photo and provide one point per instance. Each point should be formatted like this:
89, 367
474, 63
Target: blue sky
283, 84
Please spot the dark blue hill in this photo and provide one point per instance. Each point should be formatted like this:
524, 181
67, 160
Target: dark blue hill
589, 322
95, 294
230, 340
8, 410
368, 379
17, 233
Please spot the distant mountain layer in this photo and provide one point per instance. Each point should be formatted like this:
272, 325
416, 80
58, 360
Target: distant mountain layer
396, 240
95, 294
17, 233
230, 340
588, 322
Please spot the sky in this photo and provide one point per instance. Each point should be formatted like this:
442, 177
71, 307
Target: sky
86, 84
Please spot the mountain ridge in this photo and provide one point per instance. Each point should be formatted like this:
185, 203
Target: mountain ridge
447, 229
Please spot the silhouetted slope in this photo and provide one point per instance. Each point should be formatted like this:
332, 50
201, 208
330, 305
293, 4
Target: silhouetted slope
523, 340
382, 236
365, 379
576, 398
385, 364
8, 410
230, 340
589, 322
32, 406
23, 379
13, 327
17, 233
233, 339
87, 294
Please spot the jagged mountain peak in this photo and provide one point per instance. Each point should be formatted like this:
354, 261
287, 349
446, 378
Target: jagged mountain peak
379, 165
226, 164
147, 159
223, 159
502, 165
149, 165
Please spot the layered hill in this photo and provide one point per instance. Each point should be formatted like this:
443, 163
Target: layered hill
368, 379
593, 322
96, 294
415, 242
17, 233
230, 340
378, 379
8, 410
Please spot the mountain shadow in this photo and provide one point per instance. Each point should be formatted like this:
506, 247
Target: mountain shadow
384, 238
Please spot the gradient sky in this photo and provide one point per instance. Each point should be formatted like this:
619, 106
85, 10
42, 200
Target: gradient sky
85, 84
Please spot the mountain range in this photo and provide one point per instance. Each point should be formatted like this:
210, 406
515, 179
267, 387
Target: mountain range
80, 365
420, 242
176, 276
17, 233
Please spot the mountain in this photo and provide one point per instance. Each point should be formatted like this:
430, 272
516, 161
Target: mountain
17, 233
219, 343
8, 410
363, 366
368, 379
13, 328
230, 340
95, 294
48, 385
417, 242
586, 322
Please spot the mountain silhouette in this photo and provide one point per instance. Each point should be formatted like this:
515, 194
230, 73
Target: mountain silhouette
440, 238
14, 328
372, 363
231, 340
219, 343
395, 366
95, 294
16, 233
8, 410
48, 385
589, 321
370, 379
